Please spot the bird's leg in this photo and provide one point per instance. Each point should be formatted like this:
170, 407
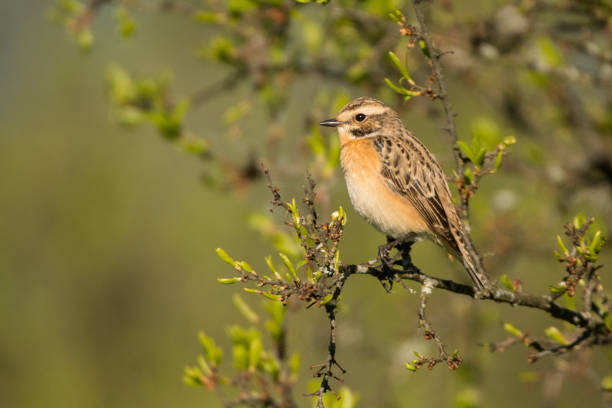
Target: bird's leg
383, 252
403, 249
386, 279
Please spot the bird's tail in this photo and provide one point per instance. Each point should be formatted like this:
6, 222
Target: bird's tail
473, 266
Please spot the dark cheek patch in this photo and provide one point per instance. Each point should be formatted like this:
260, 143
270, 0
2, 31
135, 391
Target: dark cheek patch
360, 132
364, 130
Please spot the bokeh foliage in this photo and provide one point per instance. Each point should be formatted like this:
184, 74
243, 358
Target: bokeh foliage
532, 71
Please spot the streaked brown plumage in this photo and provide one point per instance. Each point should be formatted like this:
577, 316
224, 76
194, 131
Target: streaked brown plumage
395, 183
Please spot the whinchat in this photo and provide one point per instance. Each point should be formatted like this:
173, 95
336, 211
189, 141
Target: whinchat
395, 183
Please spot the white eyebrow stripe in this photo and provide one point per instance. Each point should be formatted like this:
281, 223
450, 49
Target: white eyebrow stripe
369, 109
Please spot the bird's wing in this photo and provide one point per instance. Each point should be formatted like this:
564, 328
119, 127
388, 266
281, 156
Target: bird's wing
410, 170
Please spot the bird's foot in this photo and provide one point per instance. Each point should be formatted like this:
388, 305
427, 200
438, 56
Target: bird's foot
402, 257
403, 251
387, 262
383, 254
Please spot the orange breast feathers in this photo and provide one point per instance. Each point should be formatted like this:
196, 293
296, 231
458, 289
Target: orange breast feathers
390, 212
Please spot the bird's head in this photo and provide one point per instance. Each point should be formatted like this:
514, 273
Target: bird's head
362, 118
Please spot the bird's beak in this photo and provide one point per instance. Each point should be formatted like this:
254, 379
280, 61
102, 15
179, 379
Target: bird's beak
331, 123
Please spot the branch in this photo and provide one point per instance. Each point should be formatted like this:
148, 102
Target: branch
435, 55
453, 361
326, 370
442, 94
226, 84
498, 295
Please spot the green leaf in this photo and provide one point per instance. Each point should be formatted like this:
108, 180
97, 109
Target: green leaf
479, 159
424, 49
466, 149
273, 268
179, 111
398, 64
276, 310
498, 161
168, 127
192, 144
271, 366
244, 308
122, 88
237, 7
129, 116
606, 383
242, 336
468, 176
513, 330
506, 282
410, 367
485, 133
255, 349
343, 215
316, 142
347, 398
554, 334
289, 265
272, 296
274, 328
579, 221
241, 357
560, 288
193, 377
562, 246
245, 266
212, 353
85, 40
206, 17
126, 25
228, 281
225, 256
399, 90
327, 298
337, 261
397, 16
204, 365
608, 321
509, 141
570, 302
597, 242
221, 49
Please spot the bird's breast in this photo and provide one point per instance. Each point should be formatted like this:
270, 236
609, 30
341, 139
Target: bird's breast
388, 211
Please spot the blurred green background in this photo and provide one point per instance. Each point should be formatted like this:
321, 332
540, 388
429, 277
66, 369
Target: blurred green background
107, 237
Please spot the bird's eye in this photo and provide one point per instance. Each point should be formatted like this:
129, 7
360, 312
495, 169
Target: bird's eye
360, 117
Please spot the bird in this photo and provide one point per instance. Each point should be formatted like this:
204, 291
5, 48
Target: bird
396, 184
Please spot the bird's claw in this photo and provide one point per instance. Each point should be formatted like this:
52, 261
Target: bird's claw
387, 277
